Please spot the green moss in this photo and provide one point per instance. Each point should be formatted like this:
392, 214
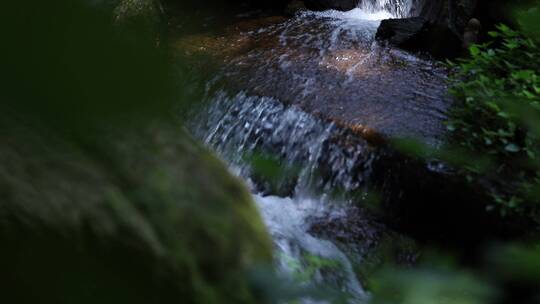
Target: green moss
497, 93
143, 216
97, 203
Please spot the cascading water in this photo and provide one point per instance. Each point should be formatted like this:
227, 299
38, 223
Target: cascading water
329, 157
394, 8
327, 64
239, 125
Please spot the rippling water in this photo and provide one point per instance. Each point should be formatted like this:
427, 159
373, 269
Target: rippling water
329, 63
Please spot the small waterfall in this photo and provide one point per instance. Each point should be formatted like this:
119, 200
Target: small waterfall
396, 8
330, 158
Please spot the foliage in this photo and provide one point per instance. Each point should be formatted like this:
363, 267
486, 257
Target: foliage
496, 126
305, 270
498, 77
93, 72
429, 286
436, 281
303, 273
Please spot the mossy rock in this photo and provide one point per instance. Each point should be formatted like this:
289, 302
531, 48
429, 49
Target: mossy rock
140, 216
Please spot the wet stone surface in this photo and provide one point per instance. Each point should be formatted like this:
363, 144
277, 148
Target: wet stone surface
328, 64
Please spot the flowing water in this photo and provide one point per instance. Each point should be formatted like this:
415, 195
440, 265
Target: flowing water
241, 125
291, 90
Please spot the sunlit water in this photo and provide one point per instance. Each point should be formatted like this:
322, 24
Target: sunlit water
317, 60
329, 63
355, 16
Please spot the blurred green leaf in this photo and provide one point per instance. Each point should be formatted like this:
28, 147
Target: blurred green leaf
429, 286
519, 263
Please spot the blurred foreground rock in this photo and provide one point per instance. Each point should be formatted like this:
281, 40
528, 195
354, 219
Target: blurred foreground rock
145, 216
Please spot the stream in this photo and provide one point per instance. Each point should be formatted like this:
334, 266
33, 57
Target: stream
292, 92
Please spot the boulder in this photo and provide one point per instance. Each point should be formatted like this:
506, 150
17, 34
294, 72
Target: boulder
103, 198
437, 30
144, 216
453, 14
417, 34
399, 31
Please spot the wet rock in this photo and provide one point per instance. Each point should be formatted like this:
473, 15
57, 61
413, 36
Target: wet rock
438, 30
356, 226
341, 81
143, 216
368, 243
313, 104
418, 34
371, 135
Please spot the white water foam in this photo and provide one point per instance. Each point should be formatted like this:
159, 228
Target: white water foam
372, 10
357, 14
240, 124
287, 219
394, 8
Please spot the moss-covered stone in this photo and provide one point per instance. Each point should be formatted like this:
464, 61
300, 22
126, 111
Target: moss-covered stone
140, 216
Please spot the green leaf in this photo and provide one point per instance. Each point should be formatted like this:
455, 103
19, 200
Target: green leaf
523, 74
512, 148
511, 44
474, 50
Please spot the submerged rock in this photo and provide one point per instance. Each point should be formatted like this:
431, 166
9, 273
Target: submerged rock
453, 14
327, 98
143, 216
417, 34
368, 243
399, 31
